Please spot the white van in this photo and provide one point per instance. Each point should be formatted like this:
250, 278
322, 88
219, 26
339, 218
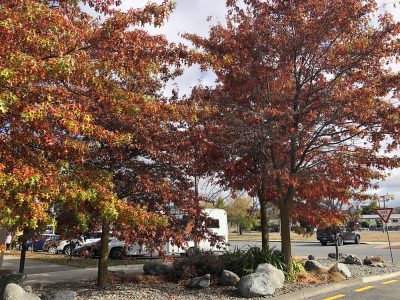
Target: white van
218, 224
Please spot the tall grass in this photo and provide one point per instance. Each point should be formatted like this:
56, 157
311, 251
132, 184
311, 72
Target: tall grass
244, 262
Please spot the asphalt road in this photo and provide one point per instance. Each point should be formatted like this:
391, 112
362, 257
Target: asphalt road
316, 249
33, 266
385, 289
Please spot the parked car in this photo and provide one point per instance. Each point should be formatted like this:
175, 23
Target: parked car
66, 246
50, 246
36, 244
344, 235
116, 249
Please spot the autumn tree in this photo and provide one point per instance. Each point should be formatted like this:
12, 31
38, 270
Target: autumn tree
84, 119
241, 212
304, 95
369, 209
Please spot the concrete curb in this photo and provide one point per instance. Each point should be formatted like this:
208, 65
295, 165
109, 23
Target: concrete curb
315, 291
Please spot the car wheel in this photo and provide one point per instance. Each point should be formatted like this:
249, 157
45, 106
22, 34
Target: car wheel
191, 252
52, 250
357, 240
340, 241
91, 253
324, 243
116, 253
68, 250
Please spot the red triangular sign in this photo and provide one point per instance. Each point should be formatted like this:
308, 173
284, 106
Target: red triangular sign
384, 213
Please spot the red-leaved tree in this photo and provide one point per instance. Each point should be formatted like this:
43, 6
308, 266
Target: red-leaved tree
305, 100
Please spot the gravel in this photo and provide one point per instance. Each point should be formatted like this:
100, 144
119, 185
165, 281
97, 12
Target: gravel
172, 291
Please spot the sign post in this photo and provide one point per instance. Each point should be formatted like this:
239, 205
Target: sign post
384, 214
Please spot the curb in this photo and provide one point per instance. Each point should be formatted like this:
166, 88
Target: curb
315, 291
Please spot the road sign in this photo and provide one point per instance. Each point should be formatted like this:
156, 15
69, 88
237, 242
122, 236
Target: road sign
384, 213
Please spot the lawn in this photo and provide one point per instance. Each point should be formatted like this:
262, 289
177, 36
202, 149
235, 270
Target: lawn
77, 262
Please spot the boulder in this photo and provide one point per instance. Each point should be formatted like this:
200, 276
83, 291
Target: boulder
15, 292
255, 285
312, 265
228, 278
311, 257
341, 255
263, 282
275, 275
367, 261
61, 295
9, 277
342, 269
352, 260
200, 282
157, 268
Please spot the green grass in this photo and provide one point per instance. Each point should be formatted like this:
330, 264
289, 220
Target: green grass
78, 262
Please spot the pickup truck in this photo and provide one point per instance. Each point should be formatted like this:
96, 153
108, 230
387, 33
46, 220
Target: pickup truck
344, 235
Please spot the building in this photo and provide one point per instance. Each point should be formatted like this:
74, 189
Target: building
393, 222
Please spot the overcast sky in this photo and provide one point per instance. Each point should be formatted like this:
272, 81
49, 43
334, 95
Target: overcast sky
191, 16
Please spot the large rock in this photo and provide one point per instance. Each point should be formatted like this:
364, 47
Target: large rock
200, 282
275, 275
367, 261
263, 282
353, 260
9, 277
228, 278
342, 269
312, 265
341, 255
15, 292
311, 257
157, 268
61, 295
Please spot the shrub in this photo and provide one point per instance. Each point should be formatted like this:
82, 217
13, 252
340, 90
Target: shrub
244, 262
198, 265
365, 224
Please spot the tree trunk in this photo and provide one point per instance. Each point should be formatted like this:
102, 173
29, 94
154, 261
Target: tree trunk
3, 233
23, 256
285, 207
285, 237
102, 275
336, 248
264, 224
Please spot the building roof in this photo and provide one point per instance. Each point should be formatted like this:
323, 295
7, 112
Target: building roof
392, 216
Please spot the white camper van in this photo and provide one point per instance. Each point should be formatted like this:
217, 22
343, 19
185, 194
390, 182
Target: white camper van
218, 225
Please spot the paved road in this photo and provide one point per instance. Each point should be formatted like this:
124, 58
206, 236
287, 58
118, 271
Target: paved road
316, 249
385, 289
44, 272
307, 248
32, 266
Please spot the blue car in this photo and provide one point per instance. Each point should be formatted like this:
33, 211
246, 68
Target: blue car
37, 243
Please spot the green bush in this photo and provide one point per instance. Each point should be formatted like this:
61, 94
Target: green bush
365, 224
244, 262
199, 264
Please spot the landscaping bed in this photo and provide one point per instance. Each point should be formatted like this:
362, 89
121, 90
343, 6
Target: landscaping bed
142, 287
